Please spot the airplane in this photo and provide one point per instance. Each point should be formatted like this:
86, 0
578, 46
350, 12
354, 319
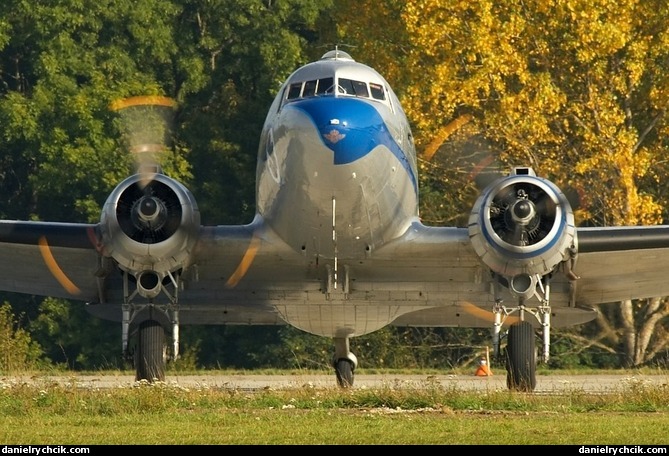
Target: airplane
337, 247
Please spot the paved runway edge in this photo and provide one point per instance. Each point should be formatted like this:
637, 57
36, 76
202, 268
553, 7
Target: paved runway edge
547, 383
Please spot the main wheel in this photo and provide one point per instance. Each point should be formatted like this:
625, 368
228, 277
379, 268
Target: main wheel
521, 358
151, 352
344, 371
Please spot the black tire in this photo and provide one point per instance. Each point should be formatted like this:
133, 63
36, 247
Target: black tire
521, 358
150, 355
344, 371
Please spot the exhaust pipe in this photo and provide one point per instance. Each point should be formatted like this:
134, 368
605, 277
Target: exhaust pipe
149, 284
523, 285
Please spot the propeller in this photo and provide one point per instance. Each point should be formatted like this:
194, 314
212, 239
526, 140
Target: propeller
460, 156
145, 123
459, 149
148, 211
484, 314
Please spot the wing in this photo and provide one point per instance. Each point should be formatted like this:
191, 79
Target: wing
430, 276
620, 263
453, 285
50, 259
238, 266
612, 264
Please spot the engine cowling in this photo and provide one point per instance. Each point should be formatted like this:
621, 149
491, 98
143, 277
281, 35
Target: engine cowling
150, 226
522, 227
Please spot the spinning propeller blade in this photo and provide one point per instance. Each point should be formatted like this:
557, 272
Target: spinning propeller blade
146, 126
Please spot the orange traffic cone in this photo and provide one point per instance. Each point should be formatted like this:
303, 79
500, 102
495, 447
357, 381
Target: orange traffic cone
483, 369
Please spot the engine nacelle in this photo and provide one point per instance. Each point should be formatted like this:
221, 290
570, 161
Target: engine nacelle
150, 226
522, 227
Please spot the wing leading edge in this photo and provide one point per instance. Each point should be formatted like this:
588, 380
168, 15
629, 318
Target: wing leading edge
621, 263
50, 259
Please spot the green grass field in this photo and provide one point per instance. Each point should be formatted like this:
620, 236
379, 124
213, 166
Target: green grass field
50, 413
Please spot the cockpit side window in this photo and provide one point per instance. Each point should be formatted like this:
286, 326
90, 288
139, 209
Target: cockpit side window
309, 89
294, 90
377, 91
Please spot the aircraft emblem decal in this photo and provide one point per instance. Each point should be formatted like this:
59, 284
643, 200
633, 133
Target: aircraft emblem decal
334, 136
362, 123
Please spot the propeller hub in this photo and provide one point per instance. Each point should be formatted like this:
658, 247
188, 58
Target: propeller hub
523, 211
149, 214
149, 209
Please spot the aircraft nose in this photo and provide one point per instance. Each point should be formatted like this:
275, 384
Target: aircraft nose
350, 127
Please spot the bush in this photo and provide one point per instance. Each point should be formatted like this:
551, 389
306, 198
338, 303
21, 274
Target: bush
18, 352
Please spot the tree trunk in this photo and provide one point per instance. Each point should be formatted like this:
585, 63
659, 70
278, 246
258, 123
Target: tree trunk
628, 332
637, 326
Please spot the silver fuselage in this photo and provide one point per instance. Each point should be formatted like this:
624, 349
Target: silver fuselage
340, 166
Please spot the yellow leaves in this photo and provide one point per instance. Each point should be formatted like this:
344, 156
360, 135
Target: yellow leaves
648, 211
567, 86
614, 174
597, 27
659, 95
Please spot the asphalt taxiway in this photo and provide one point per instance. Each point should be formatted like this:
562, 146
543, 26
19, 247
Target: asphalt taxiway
597, 383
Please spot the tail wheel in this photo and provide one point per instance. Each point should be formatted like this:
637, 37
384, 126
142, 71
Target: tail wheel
521, 358
344, 371
151, 352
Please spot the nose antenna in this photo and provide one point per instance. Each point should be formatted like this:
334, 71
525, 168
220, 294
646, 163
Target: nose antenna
337, 53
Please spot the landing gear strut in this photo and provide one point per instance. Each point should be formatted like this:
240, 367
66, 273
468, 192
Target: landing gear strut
521, 353
153, 323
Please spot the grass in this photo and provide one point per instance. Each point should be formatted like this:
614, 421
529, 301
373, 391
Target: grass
44, 412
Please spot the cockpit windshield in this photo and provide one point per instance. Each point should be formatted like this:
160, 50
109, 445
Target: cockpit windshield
310, 88
344, 86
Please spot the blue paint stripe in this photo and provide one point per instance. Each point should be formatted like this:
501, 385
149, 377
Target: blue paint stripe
359, 130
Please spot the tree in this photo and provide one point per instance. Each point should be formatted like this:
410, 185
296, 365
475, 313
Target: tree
242, 52
61, 66
576, 89
64, 63
73, 339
